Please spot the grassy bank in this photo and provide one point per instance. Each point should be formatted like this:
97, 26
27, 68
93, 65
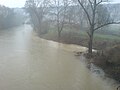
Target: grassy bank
101, 41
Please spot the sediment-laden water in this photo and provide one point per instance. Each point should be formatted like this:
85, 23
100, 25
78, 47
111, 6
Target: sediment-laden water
30, 63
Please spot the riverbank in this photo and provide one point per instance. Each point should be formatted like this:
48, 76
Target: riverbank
109, 61
100, 42
98, 59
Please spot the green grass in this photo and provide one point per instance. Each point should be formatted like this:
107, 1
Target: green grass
106, 37
79, 37
78, 33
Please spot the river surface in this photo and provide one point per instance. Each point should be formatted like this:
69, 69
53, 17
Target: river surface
30, 63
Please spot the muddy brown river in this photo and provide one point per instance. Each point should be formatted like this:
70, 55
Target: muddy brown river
30, 63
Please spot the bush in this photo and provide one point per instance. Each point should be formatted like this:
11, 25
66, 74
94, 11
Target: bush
109, 60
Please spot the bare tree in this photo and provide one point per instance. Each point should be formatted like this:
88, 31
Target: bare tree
59, 12
71, 16
90, 8
37, 10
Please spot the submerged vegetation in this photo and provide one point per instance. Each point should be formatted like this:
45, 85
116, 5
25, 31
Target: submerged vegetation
109, 61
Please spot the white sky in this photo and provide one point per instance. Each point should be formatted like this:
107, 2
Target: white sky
13, 3
116, 1
20, 3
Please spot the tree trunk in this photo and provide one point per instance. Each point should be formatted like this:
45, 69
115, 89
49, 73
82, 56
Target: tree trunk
59, 35
90, 44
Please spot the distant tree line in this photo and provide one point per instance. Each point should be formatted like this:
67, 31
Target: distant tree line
9, 18
88, 15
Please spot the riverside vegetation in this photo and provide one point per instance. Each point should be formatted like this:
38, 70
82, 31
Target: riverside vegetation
88, 23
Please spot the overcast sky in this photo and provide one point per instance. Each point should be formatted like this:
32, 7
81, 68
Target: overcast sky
116, 1
20, 3
13, 3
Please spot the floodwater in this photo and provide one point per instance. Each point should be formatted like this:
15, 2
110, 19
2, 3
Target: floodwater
30, 63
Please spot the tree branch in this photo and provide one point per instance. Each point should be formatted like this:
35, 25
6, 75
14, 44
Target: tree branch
106, 25
91, 4
99, 2
88, 34
85, 12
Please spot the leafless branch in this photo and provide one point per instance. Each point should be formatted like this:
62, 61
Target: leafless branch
106, 25
91, 4
88, 17
99, 2
88, 33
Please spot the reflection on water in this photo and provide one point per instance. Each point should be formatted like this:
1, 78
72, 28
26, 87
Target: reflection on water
30, 63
